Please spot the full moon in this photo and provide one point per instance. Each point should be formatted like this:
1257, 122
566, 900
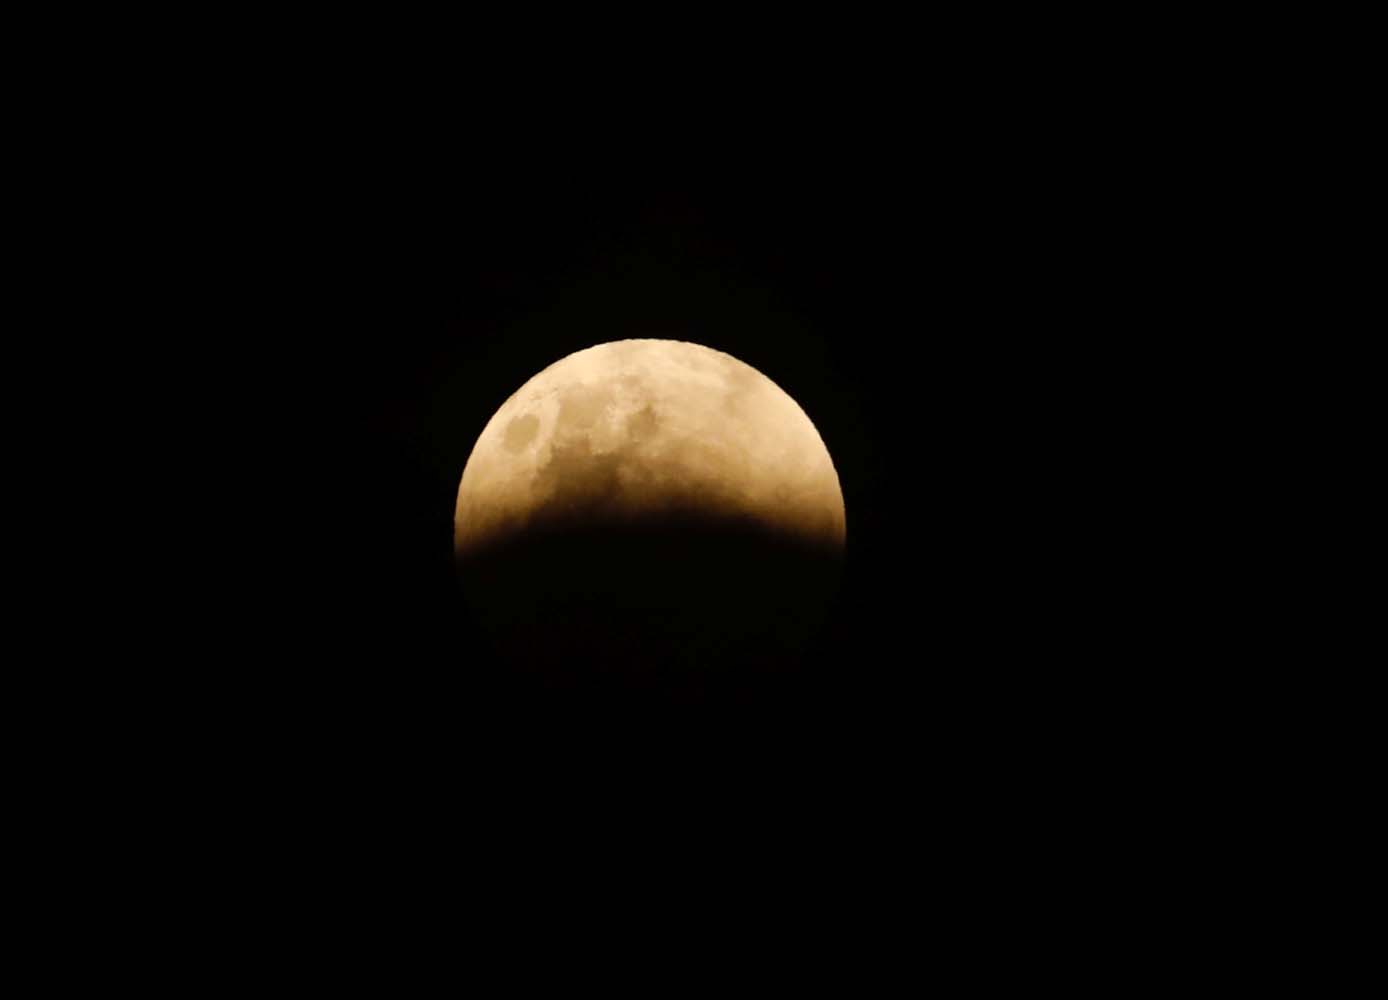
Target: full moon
649, 509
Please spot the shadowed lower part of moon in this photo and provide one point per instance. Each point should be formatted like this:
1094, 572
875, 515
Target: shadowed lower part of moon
679, 604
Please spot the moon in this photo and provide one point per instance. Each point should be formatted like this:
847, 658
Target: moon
640, 429
652, 514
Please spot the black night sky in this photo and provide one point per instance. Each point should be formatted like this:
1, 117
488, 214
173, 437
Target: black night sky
966, 251
922, 284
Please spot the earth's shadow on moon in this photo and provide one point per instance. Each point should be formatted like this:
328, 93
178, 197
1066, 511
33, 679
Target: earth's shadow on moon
684, 608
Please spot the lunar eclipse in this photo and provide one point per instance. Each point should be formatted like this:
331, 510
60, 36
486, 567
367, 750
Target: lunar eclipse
649, 513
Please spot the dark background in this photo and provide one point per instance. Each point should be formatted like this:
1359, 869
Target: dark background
935, 283
913, 306
959, 248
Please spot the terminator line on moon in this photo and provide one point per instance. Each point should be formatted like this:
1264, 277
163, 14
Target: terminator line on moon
637, 428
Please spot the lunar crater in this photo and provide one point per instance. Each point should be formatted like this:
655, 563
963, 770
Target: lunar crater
521, 431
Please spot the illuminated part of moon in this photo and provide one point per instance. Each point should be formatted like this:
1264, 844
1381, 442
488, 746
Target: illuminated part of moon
639, 429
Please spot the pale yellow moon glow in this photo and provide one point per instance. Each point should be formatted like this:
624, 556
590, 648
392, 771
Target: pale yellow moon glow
634, 428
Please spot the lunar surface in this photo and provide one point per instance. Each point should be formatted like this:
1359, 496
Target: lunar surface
650, 514
645, 428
